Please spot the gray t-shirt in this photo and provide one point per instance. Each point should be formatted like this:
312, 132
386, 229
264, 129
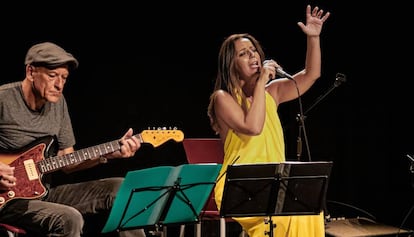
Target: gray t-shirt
21, 126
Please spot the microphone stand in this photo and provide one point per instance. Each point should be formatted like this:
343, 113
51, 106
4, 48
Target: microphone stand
411, 169
339, 79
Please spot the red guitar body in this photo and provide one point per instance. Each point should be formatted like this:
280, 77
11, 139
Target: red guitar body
26, 171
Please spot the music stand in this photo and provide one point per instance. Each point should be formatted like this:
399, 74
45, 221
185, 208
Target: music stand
161, 196
275, 189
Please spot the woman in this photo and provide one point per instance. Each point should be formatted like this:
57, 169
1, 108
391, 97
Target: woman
243, 112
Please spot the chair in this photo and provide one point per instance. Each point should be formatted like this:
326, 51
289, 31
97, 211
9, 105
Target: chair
11, 231
206, 150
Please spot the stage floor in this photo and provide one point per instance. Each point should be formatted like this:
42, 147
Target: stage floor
355, 227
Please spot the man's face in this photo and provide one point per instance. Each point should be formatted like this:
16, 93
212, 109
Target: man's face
49, 83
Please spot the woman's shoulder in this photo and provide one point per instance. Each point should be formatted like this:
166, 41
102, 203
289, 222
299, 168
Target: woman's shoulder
220, 92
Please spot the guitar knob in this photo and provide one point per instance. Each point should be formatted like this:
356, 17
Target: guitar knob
11, 194
2, 200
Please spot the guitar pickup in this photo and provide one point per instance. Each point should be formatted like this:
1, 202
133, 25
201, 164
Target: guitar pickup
30, 169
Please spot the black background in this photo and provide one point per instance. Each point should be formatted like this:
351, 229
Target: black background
153, 65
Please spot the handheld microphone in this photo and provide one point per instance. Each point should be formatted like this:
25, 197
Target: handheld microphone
280, 72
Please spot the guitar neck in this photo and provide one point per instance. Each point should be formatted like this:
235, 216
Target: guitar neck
57, 162
154, 137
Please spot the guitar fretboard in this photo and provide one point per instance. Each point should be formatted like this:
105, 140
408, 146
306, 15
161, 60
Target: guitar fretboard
57, 162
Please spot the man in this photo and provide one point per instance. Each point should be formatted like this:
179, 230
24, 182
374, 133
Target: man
34, 109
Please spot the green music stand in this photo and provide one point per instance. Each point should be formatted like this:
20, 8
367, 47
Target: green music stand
162, 196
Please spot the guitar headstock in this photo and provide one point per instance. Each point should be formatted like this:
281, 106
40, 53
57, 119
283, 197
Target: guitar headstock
157, 137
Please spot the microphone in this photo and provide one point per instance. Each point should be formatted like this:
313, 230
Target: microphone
280, 72
340, 78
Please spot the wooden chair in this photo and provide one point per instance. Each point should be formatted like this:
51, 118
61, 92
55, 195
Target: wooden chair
206, 150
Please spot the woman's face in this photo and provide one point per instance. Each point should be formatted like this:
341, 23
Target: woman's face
247, 59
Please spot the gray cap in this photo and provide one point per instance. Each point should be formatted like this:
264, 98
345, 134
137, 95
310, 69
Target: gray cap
50, 55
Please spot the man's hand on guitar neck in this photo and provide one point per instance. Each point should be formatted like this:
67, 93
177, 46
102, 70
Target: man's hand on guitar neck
129, 145
7, 179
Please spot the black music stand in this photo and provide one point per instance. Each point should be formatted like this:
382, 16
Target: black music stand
162, 196
275, 189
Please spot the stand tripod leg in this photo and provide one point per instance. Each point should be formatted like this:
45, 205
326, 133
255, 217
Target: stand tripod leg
222, 227
182, 230
271, 226
198, 229
159, 232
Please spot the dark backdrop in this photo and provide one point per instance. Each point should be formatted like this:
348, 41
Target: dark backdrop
154, 65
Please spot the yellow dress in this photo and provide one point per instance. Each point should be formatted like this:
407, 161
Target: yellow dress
267, 147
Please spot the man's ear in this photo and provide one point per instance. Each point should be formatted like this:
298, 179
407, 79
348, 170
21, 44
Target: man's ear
29, 71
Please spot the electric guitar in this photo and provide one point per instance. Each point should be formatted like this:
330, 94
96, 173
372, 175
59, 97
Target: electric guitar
30, 163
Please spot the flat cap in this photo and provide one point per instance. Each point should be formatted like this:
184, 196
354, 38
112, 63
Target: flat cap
50, 55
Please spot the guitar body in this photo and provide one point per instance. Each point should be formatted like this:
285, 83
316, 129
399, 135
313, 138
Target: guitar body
29, 183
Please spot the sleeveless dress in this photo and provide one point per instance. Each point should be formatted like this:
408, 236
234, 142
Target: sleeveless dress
268, 147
